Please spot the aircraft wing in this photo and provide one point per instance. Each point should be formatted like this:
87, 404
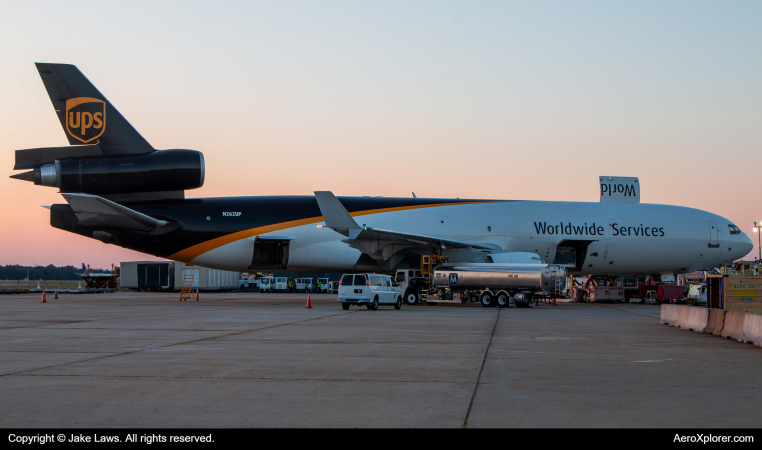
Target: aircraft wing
419, 239
338, 219
94, 211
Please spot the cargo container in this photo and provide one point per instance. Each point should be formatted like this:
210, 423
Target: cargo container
147, 275
206, 279
735, 293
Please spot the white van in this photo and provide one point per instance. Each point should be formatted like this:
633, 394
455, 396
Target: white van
370, 290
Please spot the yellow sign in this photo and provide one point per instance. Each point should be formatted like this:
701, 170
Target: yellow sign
90, 113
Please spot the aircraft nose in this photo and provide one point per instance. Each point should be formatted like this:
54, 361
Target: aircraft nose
746, 246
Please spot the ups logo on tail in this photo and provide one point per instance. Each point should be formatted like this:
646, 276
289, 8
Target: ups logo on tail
85, 118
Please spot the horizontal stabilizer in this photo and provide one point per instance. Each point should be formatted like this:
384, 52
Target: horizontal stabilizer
37, 157
94, 211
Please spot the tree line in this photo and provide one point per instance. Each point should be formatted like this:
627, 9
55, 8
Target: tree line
49, 272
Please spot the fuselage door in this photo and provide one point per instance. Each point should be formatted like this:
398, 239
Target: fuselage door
713, 236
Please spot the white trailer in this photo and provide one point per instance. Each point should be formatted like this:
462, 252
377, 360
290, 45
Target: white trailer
206, 279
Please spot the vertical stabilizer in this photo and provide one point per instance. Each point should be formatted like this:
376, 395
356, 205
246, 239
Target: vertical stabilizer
86, 115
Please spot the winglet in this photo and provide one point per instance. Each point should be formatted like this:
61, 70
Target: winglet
334, 213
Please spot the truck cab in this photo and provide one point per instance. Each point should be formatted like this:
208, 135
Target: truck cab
308, 285
322, 285
409, 281
280, 284
266, 284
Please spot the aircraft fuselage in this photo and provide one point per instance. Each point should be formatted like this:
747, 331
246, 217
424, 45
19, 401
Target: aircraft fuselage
609, 238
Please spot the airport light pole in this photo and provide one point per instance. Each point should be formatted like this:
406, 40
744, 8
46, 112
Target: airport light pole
758, 230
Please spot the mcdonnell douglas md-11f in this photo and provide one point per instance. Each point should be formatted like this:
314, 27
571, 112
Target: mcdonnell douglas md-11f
122, 191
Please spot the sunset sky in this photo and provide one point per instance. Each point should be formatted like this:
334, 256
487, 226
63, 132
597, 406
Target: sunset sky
470, 99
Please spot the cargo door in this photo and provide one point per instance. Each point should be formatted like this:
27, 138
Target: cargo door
360, 288
150, 276
270, 253
713, 236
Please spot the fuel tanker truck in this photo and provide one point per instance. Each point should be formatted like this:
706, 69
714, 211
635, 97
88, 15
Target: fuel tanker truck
497, 284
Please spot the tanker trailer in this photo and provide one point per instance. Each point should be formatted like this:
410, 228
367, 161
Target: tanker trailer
499, 284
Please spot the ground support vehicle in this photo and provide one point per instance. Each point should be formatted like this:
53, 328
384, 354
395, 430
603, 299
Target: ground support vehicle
498, 284
413, 285
280, 284
603, 288
333, 287
606, 293
696, 294
267, 284
662, 293
741, 268
303, 285
368, 289
322, 285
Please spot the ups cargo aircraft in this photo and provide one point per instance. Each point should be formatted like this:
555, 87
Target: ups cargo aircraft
122, 191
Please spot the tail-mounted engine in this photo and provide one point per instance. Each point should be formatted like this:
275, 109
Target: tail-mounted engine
165, 170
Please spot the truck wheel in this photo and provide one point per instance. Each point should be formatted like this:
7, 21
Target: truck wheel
487, 300
345, 306
411, 297
398, 305
374, 305
502, 300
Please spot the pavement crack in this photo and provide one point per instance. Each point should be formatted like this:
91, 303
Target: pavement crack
471, 404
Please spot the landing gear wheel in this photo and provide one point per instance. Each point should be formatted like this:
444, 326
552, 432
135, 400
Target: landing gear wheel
374, 306
411, 297
345, 306
502, 300
487, 300
398, 305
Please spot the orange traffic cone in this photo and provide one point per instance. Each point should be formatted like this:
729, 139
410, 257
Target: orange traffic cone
43, 297
196, 294
309, 302
56, 296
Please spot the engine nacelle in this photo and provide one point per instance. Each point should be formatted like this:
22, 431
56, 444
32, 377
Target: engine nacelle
164, 170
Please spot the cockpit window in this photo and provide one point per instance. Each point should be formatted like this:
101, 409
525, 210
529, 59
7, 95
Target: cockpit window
734, 229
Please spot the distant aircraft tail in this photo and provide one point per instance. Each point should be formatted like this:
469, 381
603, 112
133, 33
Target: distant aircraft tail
86, 116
